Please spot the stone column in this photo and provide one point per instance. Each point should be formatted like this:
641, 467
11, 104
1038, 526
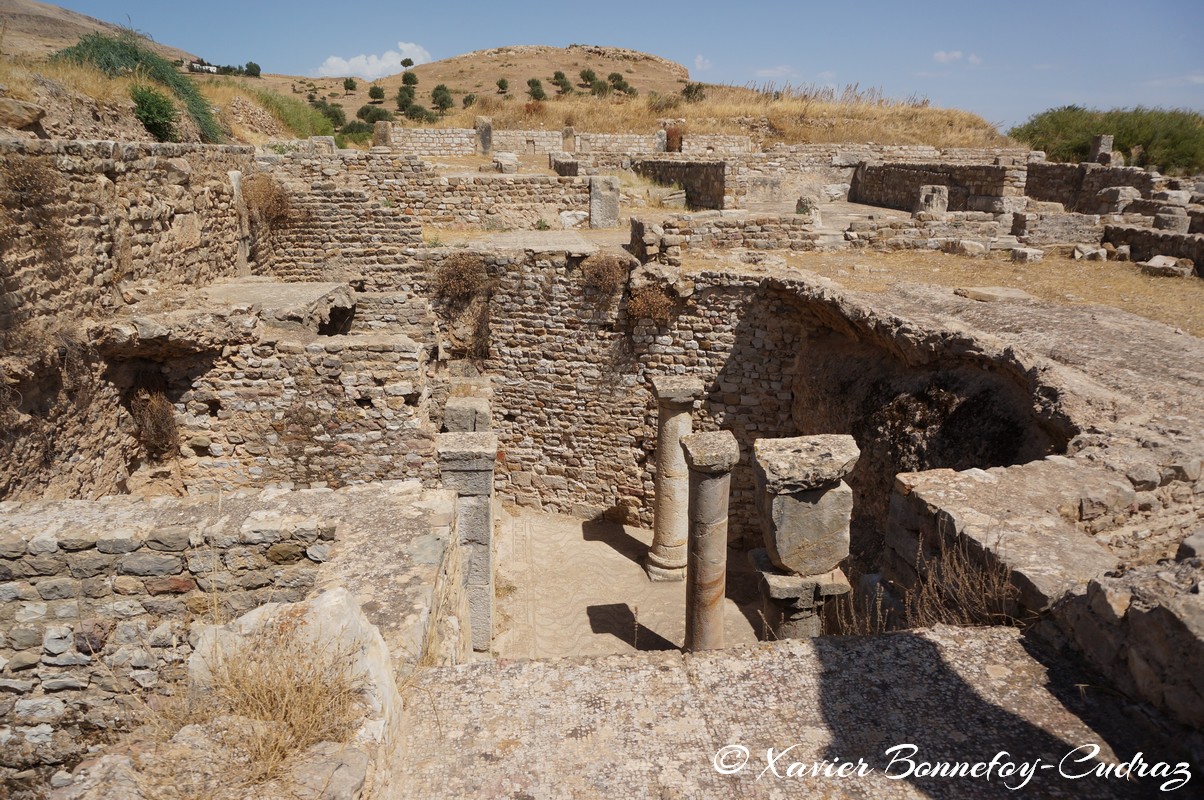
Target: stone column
710, 458
603, 202
675, 396
484, 129
466, 462
1101, 149
805, 508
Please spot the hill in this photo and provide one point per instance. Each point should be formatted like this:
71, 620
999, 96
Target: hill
36, 30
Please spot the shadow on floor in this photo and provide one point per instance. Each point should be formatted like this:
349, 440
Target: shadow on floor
619, 620
615, 535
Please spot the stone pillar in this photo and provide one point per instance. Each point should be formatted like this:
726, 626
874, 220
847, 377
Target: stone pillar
382, 134
484, 128
710, 458
805, 508
675, 396
932, 200
466, 462
568, 139
1101, 149
603, 202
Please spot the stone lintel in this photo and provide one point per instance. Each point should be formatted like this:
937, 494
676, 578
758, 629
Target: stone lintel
676, 389
712, 452
466, 451
803, 463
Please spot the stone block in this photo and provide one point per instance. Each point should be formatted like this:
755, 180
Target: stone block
807, 532
474, 519
932, 200
169, 539
800, 463
150, 564
1192, 546
677, 390
1168, 267
712, 452
119, 541
603, 202
1027, 255
466, 415
480, 615
466, 452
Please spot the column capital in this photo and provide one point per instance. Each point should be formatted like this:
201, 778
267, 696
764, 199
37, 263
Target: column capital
711, 452
673, 390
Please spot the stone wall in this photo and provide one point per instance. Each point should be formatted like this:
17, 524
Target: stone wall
502, 201
1145, 243
665, 241
92, 214
627, 143
1076, 186
1042, 228
714, 144
533, 142
703, 181
971, 187
433, 141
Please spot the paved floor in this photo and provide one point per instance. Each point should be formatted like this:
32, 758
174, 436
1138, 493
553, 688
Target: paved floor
567, 587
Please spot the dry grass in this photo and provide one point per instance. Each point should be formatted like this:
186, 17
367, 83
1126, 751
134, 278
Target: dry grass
1057, 278
792, 116
19, 75
955, 589
267, 200
605, 273
155, 420
460, 278
652, 303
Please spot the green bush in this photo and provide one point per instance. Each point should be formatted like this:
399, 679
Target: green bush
694, 92
372, 114
376, 93
588, 77
599, 88
409, 79
535, 89
469, 100
562, 83
155, 111
349, 85
1171, 139
332, 111
128, 54
503, 85
441, 97
356, 131
419, 113
252, 70
405, 96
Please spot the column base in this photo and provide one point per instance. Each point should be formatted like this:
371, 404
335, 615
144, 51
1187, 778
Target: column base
663, 573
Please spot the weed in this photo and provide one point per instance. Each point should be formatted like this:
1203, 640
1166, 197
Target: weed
155, 111
542, 225
651, 303
460, 278
605, 273
155, 421
267, 200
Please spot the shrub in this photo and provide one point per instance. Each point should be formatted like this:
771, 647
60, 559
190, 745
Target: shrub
332, 111
155, 421
605, 273
419, 113
460, 278
1170, 139
652, 303
406, 63
155, 111
659, 103
357, 131
535, 89
349, 85
599, 88
252, 70
469, 100
266, 199
588, 77
441, 97
694, 93
405, 97
376, 93
409, 79
372, 114
673, 137
563, 84
503, 85
127, 54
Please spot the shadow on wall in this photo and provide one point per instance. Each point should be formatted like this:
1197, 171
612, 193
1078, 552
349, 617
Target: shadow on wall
795, 370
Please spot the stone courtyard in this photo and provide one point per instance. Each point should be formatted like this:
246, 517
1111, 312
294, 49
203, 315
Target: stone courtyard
569, 442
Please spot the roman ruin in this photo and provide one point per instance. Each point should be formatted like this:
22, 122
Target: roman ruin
462, 412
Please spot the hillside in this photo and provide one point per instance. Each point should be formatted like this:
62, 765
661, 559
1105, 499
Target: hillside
36, 30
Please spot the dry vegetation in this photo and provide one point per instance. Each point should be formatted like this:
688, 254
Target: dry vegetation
267, 200
605, 273
460, 278
792, 116
155, 421
651, 302
1058, 278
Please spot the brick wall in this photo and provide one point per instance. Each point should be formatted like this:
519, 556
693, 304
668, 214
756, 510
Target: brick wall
971, 187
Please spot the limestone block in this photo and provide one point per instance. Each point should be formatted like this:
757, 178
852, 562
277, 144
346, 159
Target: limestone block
1173, 219
932, 200
1192, 546
603, 202
149, 564
1027, 255
807, 532
677, 390
19, 114
466, 452
801, 463
1168, 267
466, 415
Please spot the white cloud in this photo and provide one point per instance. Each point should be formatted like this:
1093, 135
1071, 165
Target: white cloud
1195, 79
973, 59
370, 66
947, 56
701, 63
780, 71
826, 75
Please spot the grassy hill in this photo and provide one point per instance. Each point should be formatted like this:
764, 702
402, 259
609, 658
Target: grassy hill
35, 30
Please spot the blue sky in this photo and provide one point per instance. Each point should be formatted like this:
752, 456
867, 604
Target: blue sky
1003, 60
